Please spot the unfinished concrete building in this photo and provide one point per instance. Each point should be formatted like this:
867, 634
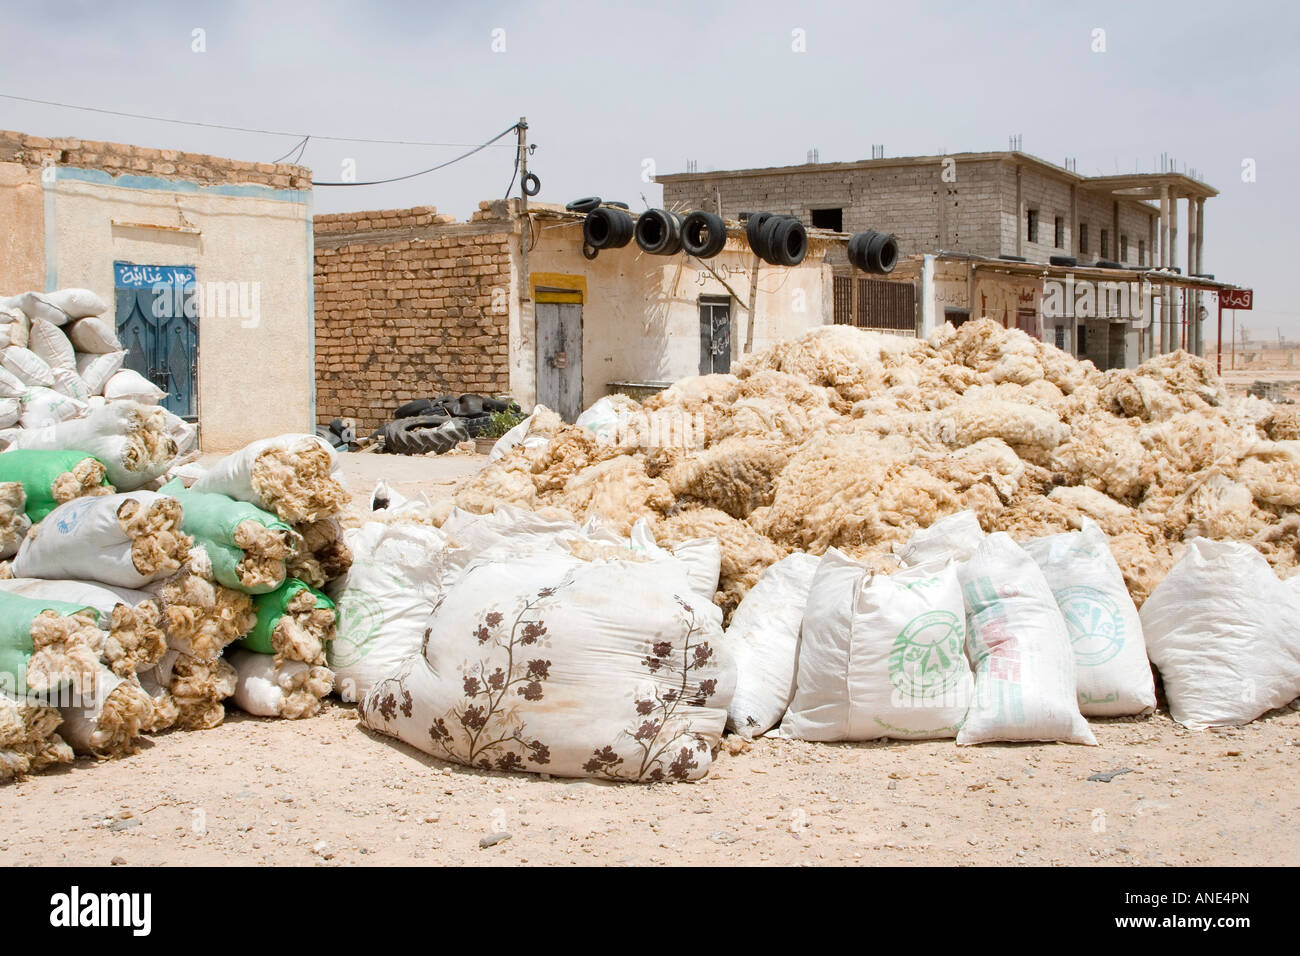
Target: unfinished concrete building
985, 209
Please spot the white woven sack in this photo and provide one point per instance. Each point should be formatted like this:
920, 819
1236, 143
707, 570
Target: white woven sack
1019, 649
763, 639
1225, 634
1112, 675
881, 655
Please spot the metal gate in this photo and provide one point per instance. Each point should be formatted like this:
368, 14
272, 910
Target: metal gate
715, 334
158, 323
559, 353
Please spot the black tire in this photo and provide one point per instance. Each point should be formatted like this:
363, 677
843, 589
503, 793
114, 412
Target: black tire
753, 231
607, 228
659, 232
531, 185
584, 205
468, 406
703, 234
785, 240
477, 425
766, 235
345, 432
496, 405
1107, 264
1010, 258
615, 204
857, 249
416, 406
1063, 260
881, 253
589, 252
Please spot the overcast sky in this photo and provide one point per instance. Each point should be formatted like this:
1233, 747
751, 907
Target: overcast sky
608, 86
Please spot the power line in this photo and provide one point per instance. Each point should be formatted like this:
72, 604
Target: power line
237, 129
397, 179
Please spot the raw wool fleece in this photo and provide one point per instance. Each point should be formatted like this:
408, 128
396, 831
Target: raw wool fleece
197, 689
321, 554
28, 741
291, 689
14, 523
853, 439
554, 665
130, 439
135, 639
289, 475
108, 720
201, 617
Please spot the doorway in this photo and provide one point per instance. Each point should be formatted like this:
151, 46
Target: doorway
559, 351
157, 317
715, 334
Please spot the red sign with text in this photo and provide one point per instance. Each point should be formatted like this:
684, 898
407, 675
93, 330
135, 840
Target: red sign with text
1237, 298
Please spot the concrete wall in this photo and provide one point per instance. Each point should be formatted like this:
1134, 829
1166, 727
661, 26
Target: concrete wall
254, 367
967, 205
929, 206
232, 221
641, 313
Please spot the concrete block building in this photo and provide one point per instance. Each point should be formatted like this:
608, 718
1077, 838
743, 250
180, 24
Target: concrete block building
991, 206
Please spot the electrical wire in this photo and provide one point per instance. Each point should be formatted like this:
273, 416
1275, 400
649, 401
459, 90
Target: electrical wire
296, 147
237, 129
397, 179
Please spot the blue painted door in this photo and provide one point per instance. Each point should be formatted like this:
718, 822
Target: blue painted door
158, 323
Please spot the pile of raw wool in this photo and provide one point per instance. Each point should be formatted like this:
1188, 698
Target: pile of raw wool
855, 439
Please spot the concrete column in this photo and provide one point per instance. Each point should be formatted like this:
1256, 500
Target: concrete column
1020, 216
1165, 204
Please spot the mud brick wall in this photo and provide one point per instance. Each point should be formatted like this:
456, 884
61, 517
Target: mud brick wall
408, 306
119, 159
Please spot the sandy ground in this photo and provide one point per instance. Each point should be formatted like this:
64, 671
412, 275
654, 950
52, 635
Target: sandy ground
325, 792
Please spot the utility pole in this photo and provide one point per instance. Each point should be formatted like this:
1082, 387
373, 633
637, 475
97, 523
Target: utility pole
526, 233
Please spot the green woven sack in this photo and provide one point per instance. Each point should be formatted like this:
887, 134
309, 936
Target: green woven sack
271, 608
16, 616
212, 520
37, 469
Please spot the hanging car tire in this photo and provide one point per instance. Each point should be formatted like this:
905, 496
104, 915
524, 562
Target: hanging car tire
881, 253
607, 228
531, 185
857, 249
703, 234
785, 240
659, 232
584, 205
753, 231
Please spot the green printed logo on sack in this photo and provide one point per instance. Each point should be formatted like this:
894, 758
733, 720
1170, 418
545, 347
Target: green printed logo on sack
361, 618
1096, 628
926, 660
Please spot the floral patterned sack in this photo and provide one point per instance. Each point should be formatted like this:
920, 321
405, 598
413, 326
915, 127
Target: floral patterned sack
551, 664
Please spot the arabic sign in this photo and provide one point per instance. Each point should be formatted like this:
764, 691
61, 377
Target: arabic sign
1237, 298
128, 275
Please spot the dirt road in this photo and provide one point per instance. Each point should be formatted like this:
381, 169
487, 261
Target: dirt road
325, 792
